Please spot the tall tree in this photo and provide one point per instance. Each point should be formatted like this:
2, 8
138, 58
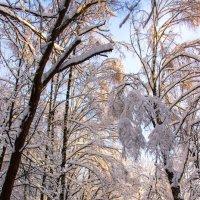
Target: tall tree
48, 29
164, 96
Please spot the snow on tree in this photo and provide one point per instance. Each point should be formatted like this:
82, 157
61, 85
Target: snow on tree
39, 27
54, 141
163, 99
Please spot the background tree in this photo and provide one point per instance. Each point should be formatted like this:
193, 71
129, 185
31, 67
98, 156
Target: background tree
163, 97
61, 146
66, 18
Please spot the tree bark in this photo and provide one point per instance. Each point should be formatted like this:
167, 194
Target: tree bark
65, 138
48, 135
27, 119
175, 189
20, 141
2, 156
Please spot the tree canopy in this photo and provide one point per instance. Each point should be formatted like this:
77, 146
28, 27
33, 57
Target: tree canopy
74, 125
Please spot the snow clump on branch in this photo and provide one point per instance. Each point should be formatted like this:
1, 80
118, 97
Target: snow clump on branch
133, 112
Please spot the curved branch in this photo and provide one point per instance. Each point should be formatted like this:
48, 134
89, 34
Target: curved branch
36, 14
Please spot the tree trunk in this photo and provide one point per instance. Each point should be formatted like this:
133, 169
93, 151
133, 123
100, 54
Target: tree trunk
27, 119
176, 192
65, 139
175, 189
48, 135
2, 156
43, 184
20, 141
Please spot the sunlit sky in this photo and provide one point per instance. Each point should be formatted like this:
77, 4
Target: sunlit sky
130, 62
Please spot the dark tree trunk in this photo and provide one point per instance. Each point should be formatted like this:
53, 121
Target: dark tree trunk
27, 119
176, 192
2, 156
42, 195
19, 143
43, 184
175, 189
65, 138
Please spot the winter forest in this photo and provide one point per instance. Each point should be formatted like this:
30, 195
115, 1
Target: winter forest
74, 125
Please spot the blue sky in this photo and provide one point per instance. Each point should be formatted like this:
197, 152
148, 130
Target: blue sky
131, 62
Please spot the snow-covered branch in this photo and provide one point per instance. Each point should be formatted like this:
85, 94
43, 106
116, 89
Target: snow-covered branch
91, 28
184, 95
95, 50
181, 54
48, 75
37, 14
74, 14
8, 13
